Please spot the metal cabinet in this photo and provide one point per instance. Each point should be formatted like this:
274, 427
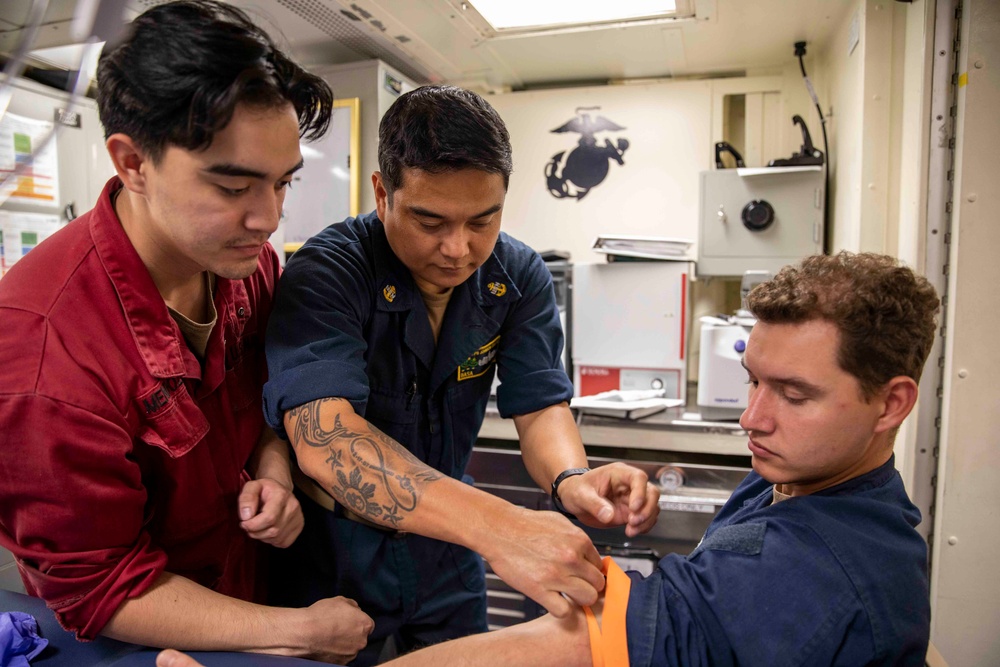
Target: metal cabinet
691, 494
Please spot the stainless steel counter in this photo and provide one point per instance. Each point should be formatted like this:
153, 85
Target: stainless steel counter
673, 430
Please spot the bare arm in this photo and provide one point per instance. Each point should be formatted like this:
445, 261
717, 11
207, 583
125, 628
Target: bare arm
539, 553
611, 495
177, 612
543, 642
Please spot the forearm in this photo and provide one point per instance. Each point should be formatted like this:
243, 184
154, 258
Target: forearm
270, 458
179, 613
550, 443
544, 642
378, 479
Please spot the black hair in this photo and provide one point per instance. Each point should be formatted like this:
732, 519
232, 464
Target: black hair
183, 67
438, 129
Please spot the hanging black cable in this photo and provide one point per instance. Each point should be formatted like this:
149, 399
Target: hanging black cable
800, 51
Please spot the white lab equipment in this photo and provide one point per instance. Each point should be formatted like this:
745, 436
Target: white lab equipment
722, 380
629, 326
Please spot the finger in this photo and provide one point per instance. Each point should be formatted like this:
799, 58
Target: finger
172, 658
263, 521
555, 604
644, 520
582, 592
249, 499
639, 484
591, 570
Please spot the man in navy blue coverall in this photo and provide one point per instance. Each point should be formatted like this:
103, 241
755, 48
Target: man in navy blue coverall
386, 335
814, 560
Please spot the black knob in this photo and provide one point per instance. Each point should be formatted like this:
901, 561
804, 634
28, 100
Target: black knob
757, 215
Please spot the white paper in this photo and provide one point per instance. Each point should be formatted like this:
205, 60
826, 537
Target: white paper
620, 403
20, 140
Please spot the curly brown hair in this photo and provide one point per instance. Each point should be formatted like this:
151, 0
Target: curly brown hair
885, 313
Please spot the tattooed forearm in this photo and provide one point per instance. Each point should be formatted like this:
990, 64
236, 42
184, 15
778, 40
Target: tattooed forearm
308, 429
367, 471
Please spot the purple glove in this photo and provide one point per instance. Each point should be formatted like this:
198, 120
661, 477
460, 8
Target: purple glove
19, 640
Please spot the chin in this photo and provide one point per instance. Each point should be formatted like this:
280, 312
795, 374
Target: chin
236, 270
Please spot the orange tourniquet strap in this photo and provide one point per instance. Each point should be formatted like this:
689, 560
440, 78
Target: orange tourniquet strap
609, 644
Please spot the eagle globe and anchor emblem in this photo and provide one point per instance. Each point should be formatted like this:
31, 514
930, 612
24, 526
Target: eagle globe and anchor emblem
587, 165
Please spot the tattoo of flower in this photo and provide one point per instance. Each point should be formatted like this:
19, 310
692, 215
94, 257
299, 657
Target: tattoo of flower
357, 495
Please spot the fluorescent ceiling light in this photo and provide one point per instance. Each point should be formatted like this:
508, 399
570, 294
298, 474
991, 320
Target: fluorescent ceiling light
514, 14
71, 57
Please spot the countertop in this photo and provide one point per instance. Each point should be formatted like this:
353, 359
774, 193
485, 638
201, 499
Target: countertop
673, 430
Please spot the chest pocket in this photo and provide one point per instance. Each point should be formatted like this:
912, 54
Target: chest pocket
172, 420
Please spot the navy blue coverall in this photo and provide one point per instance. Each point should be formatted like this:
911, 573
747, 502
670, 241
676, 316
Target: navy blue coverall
835, 578
349, 322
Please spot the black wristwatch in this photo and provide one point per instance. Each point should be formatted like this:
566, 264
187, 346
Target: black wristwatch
559, 480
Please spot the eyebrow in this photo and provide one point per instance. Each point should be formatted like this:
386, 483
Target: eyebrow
793, 382
227, 169
427, 213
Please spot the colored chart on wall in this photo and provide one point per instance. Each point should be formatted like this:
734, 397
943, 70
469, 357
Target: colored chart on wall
24, 147
21, 232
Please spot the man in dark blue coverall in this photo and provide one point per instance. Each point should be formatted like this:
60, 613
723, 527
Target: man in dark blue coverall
386, 335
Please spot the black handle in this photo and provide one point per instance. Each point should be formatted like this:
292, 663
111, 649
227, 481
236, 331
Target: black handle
807, 142
725, 147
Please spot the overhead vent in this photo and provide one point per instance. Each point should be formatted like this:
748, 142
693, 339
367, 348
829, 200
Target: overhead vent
342, 27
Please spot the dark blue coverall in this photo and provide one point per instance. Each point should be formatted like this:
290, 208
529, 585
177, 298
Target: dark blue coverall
838, 577
349, 322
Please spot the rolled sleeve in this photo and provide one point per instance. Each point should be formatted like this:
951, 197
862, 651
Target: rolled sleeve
315, 341
531, 373
71, 510
318, 379
532, 392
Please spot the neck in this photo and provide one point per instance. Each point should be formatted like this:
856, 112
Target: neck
181, 284
429, 289
878, 454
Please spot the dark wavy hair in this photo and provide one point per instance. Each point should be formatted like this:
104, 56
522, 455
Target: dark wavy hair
885, 313
183, 67
438, 129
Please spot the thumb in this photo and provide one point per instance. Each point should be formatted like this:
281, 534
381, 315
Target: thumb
249, 499
592, 503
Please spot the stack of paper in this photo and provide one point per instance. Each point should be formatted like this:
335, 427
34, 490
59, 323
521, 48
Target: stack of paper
645, 247
625, 404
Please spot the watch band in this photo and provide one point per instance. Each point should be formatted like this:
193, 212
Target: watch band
559, 480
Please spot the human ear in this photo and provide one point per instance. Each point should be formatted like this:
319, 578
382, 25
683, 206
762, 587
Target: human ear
381, 196
898, 397
128, 160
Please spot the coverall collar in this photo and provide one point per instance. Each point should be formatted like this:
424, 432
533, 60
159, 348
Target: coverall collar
157, 337
467, 322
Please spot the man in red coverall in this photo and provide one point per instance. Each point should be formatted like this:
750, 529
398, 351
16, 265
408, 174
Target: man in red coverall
137, 476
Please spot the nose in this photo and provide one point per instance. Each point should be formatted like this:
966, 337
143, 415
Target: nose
455, 244
265, 212
758, 415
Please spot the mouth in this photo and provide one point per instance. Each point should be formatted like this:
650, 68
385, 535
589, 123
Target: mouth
757, 449
248, 248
